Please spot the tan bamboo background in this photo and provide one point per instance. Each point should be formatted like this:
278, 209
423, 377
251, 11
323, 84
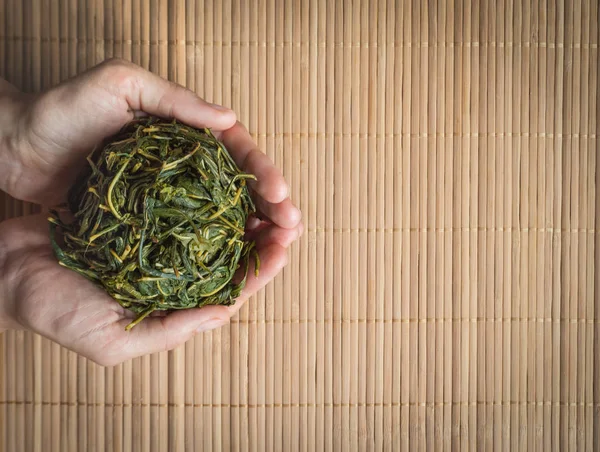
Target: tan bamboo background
445, 293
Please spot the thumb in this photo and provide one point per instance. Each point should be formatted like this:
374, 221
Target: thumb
147, 92
98, 103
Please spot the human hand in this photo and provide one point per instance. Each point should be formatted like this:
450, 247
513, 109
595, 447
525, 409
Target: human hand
56, 130
51, 139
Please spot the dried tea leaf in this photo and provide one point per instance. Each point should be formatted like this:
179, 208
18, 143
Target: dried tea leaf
159, 219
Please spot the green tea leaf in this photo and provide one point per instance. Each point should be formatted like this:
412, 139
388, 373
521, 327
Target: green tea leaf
159, 220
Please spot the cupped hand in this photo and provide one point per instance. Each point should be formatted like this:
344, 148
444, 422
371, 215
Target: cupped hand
60, 127
51, 139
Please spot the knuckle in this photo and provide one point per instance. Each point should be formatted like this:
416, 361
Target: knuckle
116, 62
249, 162
168, 100
167, 105
119, 74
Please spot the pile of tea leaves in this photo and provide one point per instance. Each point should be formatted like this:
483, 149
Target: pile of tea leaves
159, 219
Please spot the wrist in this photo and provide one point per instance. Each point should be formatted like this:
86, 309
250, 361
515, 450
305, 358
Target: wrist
13, 106
6, 290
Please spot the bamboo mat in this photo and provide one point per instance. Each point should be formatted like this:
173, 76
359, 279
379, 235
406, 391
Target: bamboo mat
445, 293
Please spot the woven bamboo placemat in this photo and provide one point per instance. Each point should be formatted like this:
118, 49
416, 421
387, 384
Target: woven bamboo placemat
445, 293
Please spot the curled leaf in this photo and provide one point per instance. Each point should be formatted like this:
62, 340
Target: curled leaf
159, 219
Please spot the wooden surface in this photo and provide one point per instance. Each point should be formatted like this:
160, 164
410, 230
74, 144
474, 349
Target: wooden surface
445, 293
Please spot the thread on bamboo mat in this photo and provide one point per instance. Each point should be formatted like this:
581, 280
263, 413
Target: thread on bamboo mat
308, 405
322, 44
364, 135
424, 320
457, 229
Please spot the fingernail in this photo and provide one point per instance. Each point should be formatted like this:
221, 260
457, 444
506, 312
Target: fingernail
211, 324
252, 223
220, 107
298, 215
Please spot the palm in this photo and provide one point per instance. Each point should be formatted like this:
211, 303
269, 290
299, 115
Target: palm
55, 301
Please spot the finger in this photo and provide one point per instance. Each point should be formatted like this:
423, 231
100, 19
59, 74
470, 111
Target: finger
270, 183
156, 334
272, 259
273, 234
252, 223
155, 95
283, 214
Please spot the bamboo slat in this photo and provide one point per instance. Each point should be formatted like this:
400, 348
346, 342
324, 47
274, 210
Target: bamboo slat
445, 294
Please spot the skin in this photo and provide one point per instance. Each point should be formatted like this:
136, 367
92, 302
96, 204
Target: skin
44, 140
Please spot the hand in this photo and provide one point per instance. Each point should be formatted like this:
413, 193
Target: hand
59, 128
51, 138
